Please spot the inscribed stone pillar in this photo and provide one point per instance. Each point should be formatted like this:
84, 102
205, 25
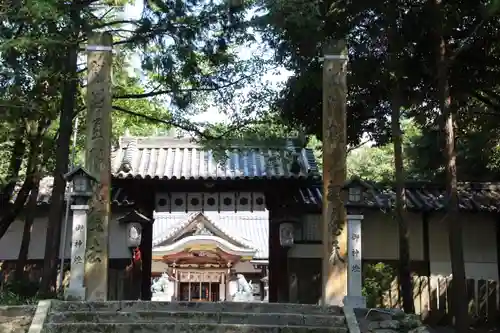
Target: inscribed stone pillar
334, 268
354, 296
98, 163
76, 289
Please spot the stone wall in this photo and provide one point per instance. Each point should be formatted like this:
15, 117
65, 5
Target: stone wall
388, 321
16, 319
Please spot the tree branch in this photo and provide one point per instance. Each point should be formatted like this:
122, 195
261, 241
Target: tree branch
185, 127
487, 101
108, 24
163, 92
469, 39
359, 145
190, 127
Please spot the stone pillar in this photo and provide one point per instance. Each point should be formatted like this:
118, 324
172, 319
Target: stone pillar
354, 296
76, 289
334, 267
98, 163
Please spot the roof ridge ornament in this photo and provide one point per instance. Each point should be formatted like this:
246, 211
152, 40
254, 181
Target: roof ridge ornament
128, 156
201, 229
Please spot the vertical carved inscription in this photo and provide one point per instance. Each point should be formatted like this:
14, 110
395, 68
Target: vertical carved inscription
98, 163
354, 275
334, 173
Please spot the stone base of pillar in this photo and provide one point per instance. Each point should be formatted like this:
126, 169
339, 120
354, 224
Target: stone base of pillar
355, 302
75, 293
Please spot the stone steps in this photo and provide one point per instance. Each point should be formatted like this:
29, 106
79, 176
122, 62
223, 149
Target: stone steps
199, 317
130, 306
183, 328
191, 317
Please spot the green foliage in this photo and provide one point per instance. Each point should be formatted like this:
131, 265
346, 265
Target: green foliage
372, 163
376, 163
377, 280
296, 30
317, 147
19, 293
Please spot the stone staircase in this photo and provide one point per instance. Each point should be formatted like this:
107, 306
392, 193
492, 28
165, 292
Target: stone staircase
190, 317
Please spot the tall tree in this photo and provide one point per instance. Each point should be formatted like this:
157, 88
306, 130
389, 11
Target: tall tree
187, 49
395, 48
455, 232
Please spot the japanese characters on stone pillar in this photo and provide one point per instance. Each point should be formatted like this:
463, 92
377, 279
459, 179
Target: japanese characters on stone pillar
354, 296
98, 163
76, 289
80, 181
334, 284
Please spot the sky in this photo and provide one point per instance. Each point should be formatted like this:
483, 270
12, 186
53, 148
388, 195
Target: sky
211, 115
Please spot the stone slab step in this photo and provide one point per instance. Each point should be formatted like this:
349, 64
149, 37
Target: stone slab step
182, 328
292, 319
130, 306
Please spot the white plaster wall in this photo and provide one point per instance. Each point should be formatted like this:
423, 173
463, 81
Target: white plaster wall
11, 241
479, 241
380, 241
380, 236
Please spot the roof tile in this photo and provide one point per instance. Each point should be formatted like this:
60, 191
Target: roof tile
419, 196
118, 195
169, 158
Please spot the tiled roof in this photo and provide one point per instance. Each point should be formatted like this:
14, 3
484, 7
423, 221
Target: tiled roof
419, 196
174, 158
118, 195
249, 229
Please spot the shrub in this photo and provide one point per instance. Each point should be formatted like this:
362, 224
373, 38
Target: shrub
22, 292
377, 279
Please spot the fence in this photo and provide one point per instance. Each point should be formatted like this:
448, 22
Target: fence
432, 299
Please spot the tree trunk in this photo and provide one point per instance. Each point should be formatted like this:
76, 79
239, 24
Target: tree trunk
17, 207
400, 206
16, 160
453, 219
394, 49
33, 174
53, 239
455, 234
32, 170
28, 224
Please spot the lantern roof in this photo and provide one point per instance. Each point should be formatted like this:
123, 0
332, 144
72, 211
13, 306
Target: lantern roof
79, 171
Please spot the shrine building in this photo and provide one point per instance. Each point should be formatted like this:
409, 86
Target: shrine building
256, 212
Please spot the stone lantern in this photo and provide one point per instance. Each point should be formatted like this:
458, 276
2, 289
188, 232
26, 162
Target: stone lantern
81, 182
80, 191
